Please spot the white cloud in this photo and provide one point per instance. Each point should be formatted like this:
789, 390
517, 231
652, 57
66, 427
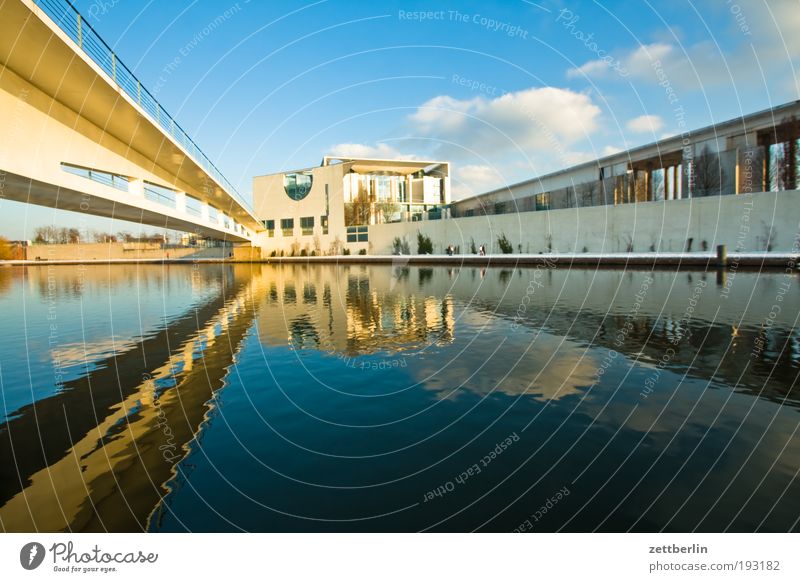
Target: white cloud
360, 150
495, 141
588, 69
636, 62
545, 119
753, 39
646, 124
610, 151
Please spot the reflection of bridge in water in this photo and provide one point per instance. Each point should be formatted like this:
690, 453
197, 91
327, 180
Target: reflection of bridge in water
96, 456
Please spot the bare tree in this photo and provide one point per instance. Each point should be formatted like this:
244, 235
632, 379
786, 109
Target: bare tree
783, 157
587, 192
104, 237
387, 209
359, 210
41, 234
707, 174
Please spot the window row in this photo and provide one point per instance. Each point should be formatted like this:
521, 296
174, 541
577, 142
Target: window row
307, 224
153, 192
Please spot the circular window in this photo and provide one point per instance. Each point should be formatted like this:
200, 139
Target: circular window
297, 186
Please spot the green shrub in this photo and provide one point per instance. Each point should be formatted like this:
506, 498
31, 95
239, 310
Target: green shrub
400, 246
472, 248
346, 252
505, 246
362, 252
273, 254
303, 253
424, 245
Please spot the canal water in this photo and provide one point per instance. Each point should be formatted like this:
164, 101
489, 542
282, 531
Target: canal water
395, 398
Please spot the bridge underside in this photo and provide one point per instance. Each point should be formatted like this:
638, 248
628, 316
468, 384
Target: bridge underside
73, 139
22, 189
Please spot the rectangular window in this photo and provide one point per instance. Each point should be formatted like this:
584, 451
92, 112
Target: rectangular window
357, 234
307, 225
287, 226
323, 220
194, 206
500, 208
469, 212
213, 214
543, 201
159, 194
270, 226
106, 178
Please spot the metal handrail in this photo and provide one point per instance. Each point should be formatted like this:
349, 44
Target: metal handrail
69, 20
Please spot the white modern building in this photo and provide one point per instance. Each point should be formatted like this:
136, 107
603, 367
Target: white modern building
329, 209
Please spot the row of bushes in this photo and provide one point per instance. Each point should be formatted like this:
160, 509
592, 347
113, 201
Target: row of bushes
425, 245
313, 253
401, 247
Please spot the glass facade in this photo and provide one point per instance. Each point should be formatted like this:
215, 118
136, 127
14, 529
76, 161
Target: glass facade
543, 201
287, 226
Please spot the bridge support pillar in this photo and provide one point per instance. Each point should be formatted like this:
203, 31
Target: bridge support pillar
180, 202
136, 187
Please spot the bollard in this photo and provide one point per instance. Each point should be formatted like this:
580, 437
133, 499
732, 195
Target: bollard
722, 255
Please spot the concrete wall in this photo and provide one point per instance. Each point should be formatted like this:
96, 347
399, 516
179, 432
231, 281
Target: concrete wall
101, 251
747, 222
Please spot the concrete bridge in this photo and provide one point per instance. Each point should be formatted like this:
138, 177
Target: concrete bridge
81, 132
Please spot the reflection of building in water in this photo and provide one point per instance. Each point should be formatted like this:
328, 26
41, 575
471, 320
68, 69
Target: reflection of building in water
351, 310
750, 345
114, 435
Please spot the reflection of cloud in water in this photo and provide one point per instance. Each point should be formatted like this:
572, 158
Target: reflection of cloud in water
552, 368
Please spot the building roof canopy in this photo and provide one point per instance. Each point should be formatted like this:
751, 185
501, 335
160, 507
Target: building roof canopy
382, 166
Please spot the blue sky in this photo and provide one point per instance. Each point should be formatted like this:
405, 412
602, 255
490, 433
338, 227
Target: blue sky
504, 90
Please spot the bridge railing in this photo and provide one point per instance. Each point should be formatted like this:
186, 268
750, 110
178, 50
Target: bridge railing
68, 19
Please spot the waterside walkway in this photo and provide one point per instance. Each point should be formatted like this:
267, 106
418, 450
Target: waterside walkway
682, 260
